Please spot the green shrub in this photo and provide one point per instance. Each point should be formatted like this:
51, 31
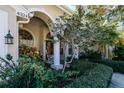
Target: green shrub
32, 73
118, 66
28, 73
119, 53
82, 66
59, 80
29, 51
91, 55
98, 77
94, 55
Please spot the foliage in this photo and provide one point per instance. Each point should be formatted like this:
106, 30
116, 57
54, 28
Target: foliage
92, 55
29, 51
116, 13
28, 73
9, 57
119, 52
118, 66
82, 66
88, 27
98, 77
7, 69
31, 73
61, 79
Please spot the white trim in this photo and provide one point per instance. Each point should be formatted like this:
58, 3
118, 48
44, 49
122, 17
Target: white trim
24, 22
57, 64
43, 11
21, 9
65, 9
44, 44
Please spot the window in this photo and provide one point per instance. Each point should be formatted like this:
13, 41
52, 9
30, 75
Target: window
70, 51
25, 38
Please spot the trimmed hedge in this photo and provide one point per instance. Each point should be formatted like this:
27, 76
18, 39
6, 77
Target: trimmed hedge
82, 66
98, 77
118, 66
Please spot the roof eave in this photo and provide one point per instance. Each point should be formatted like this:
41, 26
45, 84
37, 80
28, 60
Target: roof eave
65, 9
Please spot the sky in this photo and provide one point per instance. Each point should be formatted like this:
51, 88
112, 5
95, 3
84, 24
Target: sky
72, 7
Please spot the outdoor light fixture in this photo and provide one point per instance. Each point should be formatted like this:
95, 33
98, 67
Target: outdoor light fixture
9, 38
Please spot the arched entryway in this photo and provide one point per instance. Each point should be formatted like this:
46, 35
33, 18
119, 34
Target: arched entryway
38, 25
38, 35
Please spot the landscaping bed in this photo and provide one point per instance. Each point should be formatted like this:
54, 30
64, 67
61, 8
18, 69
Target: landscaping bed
32, 73
97, 77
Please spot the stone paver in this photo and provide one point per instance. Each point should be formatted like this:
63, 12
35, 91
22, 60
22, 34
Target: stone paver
117, 80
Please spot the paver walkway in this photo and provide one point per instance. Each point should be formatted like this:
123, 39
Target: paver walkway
117, 81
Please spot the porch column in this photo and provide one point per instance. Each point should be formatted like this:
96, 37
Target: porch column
106, 52
76, 52
56, 65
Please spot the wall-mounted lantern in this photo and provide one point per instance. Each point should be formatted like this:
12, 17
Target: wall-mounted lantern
9, 38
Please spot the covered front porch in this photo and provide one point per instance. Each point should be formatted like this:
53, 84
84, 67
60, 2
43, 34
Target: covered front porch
35, 33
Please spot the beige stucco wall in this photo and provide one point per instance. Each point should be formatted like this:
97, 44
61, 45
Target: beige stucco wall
39, 31
13, 26
53, 10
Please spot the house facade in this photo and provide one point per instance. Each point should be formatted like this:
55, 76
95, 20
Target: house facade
29, 25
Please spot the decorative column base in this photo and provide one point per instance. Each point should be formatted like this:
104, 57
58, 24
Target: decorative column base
57, 67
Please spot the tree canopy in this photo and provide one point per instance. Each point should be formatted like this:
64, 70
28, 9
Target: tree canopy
89, 26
